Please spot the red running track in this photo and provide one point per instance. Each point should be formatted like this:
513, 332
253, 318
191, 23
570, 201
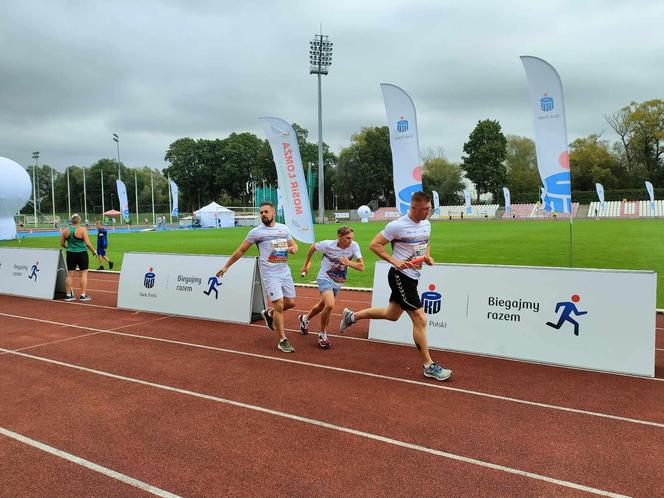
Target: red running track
131, 403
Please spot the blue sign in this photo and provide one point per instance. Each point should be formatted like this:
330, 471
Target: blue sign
148, 281
402, 125
431, 300
404, 196
546, 104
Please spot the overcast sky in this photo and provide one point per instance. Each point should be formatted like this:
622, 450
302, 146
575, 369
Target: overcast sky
74, 72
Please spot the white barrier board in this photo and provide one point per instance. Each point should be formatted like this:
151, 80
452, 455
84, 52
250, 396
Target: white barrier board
186, 285
38, 273
595, 319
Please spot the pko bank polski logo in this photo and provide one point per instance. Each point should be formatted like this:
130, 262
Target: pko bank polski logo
546, 103
148, 280
402, 125
432, 300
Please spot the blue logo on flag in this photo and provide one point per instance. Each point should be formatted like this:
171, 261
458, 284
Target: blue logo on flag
402, 125
546, 103
432, 300
148, 281
405, 195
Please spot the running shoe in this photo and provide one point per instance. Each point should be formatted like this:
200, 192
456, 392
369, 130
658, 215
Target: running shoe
268, 319
100, 267
285, 346
347, 319
324, 342
435, 371
69, 298
110, 265
304, 324
84, 298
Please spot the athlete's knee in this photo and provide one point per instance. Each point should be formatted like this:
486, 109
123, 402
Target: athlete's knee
392, 316
278, 305
328, 307
288, 304
419, 320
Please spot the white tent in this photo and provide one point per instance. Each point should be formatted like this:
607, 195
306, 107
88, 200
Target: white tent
214, 215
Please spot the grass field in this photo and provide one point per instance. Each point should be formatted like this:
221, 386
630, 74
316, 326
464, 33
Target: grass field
621, 244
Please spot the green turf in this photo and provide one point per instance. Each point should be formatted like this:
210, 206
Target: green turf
622, 244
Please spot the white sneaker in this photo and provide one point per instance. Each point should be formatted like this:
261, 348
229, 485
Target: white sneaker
347, 319
304, 324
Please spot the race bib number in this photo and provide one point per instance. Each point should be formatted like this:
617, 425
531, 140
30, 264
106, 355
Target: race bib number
279, 252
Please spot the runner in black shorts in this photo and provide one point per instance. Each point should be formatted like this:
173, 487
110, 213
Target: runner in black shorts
409, 237
75, 239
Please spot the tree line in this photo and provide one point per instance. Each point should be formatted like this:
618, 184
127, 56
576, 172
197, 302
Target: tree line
221, 169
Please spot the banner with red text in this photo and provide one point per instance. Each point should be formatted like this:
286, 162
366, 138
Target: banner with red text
292, 184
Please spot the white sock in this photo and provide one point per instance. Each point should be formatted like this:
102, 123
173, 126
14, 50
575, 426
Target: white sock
322, 335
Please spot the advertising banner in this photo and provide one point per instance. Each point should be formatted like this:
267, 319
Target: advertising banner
122, 198
186, 285
404, 142
548, 108
595, 319
38, 273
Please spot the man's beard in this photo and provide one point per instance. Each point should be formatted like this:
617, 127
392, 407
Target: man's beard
266, 220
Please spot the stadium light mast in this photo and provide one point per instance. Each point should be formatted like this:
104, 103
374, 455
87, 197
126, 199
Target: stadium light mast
320, 59
116, 139
35, 156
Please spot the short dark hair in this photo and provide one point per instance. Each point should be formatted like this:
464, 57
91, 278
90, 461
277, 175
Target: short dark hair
267, 204
420, 196
344, 231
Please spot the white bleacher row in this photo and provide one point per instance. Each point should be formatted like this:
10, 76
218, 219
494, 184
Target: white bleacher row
627, 209
477, 211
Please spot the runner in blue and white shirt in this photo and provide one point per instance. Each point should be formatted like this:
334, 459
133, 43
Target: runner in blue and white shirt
409, 237
275, 243
338, 256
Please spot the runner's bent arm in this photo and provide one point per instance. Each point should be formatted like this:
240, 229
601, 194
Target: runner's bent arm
239, 252
307, 261
427, 255
377, 246
355, 265
63, 240
292, 246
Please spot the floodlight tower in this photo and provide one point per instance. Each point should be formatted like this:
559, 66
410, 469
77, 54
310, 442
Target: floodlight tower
320, 59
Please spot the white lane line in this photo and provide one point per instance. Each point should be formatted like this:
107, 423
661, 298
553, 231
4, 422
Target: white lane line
317, 298
366, 374
86, 463
375, 341
327, 425
55, 342
142, 323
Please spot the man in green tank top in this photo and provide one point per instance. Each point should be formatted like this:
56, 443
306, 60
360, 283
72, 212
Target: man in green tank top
75, 239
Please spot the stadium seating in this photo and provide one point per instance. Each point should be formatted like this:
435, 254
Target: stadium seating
477, 211
626, 209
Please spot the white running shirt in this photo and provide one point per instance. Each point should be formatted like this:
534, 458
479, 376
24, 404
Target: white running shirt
331, 268
409, 241
272, 243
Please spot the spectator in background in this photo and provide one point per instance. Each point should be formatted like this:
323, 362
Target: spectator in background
76, 241
102, 244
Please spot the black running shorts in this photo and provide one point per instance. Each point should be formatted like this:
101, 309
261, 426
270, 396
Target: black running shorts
79, 259
404, 290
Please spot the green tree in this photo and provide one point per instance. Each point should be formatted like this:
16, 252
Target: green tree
443, 176
523, 177
485, 151
186, 168
591, 162
364, 169
640, 127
